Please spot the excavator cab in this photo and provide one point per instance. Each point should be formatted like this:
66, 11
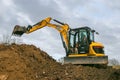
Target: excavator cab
83, 49
79, 39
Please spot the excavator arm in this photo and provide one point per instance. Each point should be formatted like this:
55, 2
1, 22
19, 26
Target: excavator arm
62, 29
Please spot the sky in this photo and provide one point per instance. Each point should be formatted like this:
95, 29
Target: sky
101, 15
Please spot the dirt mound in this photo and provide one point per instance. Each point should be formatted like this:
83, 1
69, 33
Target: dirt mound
26, 62
115, 75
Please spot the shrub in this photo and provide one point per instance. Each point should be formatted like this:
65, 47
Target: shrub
8, 39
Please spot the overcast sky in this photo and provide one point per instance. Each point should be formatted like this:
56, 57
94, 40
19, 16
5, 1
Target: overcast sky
101, 15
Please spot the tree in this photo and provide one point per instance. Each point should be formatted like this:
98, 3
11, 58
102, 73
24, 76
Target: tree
114, 62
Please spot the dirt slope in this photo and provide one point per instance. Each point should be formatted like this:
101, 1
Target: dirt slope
26, 62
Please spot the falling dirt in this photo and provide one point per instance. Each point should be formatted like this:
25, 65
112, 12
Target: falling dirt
26, 62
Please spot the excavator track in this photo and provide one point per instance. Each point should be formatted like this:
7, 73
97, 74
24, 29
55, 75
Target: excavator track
86, 60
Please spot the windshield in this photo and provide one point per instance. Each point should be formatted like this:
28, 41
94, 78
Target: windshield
91, 36
82, 35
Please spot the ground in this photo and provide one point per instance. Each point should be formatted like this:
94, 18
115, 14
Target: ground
27, 62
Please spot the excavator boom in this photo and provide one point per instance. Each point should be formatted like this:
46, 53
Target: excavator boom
62, 29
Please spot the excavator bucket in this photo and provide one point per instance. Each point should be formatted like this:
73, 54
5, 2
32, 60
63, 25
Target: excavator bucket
86, 60
19, 30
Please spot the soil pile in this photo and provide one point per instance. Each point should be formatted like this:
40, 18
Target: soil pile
26, 62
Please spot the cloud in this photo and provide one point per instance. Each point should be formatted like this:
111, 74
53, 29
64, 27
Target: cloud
38, 9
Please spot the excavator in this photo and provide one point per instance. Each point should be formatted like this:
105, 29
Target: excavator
79, 43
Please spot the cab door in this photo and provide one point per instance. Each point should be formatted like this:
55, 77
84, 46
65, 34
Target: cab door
83, 41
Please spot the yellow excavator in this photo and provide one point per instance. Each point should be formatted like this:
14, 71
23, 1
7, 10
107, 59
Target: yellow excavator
79, 43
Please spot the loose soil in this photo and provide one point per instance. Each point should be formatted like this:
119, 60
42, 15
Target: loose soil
26, 62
